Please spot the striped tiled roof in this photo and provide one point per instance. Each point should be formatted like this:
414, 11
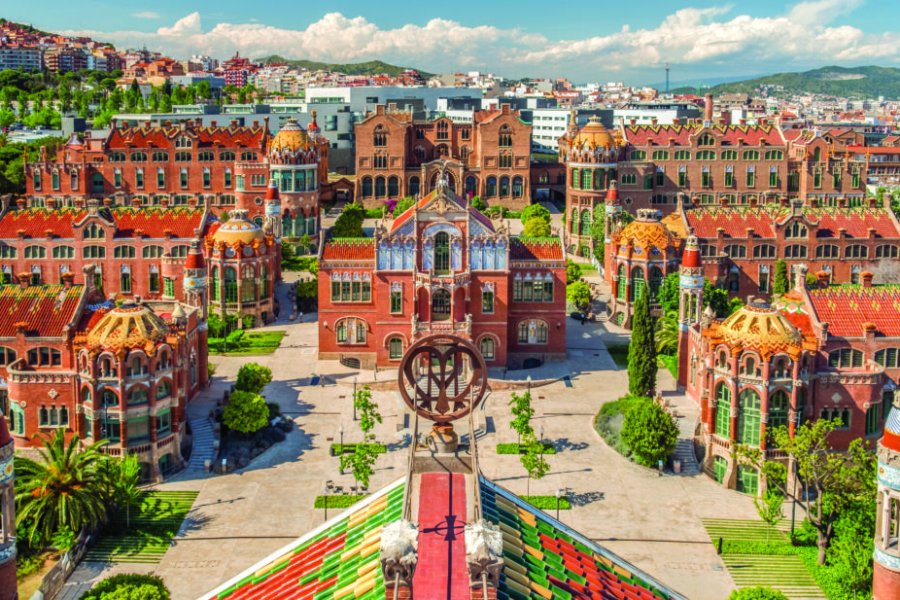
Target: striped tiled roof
680, 135
46, 309
846, 308
232, 136
535, 249
154, 222
338, 560
349, 249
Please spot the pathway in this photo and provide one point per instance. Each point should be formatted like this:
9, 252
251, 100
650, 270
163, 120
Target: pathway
441, 570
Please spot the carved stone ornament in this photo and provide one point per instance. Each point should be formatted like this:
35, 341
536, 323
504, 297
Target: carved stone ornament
484, 553
399, 545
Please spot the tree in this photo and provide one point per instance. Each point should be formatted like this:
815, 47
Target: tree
598, 232
780, 283
573, 271
349, 223
533, 460
216, 325
536, 227
124, 479
129, 586
367, 410
642, 365
361, 462
534, 211
61, 490
839, 481
669, 296
757, 593
667, 333
769, 508
246, 412
649, 432
253, 377
850, 553
522, 412
579, 294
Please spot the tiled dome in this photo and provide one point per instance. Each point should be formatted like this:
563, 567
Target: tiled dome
291, 137
761, 327
125, 327
238, 229
646, 233
594, 135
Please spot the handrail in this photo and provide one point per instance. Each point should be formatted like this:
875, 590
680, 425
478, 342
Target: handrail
473, 450
407, 493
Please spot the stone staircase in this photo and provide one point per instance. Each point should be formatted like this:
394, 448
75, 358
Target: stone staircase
203, 444
684, 452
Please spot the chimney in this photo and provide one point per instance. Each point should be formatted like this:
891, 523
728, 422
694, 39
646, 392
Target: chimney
24, 280
67, 279
379, 109
505, 109
822, 278
866, 277
653, 121
708, 109
743, 122
632, 121
676, 121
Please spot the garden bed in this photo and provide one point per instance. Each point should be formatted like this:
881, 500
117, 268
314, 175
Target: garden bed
246, 343
338, 501
619, 354
514, 448
548, 503
609, 421
338, 449
239, 449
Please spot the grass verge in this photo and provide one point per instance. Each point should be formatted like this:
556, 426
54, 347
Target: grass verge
338, 449
670, 362
251, 343
547, 502
619, 353
340, 501
514, 448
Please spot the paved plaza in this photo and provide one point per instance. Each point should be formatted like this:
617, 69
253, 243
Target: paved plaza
238, 519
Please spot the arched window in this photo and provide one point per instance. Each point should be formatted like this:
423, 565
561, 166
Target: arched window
656, 279
367, 187
471, 186
856, 251
442, 252
487, 348
491, 187
750, 367
505, 137
248, 284
165, 360
778, 409
163, 389
395, 348
393, 186
574, 222
764, 251
827, 251
795, 251
440, 305
443, 131
722, 360
586, 222
263, 282
137, 395
504, 186
637, 283
706, 140
622, 283
576, 181
887, 251
517, 187
379, 138
231, 285
379, 187
109, 398
216, 293
748, 418
414, 185
845, 358
795, 230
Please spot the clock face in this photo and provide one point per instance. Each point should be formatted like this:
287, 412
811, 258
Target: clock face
229, 252
248, 251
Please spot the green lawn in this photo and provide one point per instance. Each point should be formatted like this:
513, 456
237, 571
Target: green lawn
547, 503
250, 343
619, 353
153, 525
338, 500
670, 362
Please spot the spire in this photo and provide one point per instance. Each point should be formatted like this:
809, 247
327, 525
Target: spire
195, 256
272, 194
691, 257
612, 194
313, 125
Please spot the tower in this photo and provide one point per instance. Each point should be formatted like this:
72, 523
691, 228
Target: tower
7, 516
667, 78
273, 210
613, 221
195, 283
690, 287
886, 577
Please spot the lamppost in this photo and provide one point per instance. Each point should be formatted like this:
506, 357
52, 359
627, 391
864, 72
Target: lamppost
328, 487
559, 494
529, 385
341, 448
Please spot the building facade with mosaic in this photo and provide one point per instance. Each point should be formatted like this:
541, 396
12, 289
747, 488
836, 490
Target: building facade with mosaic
886, 572
820, 352
73, 360
399, 156
442, 266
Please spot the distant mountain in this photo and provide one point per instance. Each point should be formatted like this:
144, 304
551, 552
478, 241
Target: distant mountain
847, 82
372, 67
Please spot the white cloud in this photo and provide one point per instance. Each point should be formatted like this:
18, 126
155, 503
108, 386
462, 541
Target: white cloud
713, 40
146, 14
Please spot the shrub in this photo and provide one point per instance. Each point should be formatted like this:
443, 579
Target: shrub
338, 501
129, 586
248, 321
609, 418
478, 203
573, 272
349, 223
757, 593
547, 503
253, 377
246, 412
403, 205
579, 294
514, 448
375, 213
649, 432
536, 227
534, 211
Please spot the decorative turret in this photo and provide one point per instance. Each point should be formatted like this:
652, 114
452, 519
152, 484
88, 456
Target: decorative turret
195, 282
273, 210
886, 576
7, 516
690, 285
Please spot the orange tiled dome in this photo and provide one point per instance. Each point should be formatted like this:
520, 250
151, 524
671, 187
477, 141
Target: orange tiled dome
761, 327
648, 234
127, 326
291, 137
238, 229
594, 135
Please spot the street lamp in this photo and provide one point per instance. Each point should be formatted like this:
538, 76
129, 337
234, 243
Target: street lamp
341, 435
528, 379
559, 494
328, 487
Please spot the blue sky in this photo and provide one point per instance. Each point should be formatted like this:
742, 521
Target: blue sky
598, 40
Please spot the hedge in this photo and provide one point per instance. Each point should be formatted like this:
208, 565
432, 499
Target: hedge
548, 502
338, 449
522, 448
338, 501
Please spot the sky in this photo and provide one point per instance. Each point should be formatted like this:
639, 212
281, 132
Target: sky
598, 40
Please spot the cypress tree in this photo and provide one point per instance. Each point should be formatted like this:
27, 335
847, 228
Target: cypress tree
780, 283
642, 350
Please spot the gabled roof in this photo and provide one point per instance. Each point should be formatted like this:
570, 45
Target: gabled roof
47, 309
847, 308
232, 136
680, 135
154, 222
423, 202
349, 249
535, 249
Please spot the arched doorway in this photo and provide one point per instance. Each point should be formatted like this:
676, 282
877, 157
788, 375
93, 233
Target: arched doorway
440, 305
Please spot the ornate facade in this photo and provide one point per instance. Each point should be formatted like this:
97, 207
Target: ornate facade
397, 156
7, 516
442, 266
886, 576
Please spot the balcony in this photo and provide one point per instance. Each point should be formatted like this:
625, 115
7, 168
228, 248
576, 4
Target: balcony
459, 279
445, 327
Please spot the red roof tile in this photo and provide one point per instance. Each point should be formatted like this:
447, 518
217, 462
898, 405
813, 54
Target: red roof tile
182, 222
532, 249
680, 135
47, 309
846, 308
349, 249
704, 222
121, 138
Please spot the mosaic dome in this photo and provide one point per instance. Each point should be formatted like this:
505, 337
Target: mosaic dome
291, 137
594, 135
761, 327
125, 327
648, 234
238, 229
891, 437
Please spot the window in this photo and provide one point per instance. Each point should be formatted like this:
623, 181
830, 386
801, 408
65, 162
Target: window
887, 358
505, 160
748, 418
258, 180
887, 251
206, 156
736, 251
660, 155
778, 409
706, 140
63, 252
16, 419
648, 181
505, 137
705, 179
723, 411
533, 291
44, 357
163, 423
153, 282
706, 155
836, 178
379, 137
159, 156
682, 176
395, 348
817, 178
116, 157
396, 298
380, 161
7, 356
638, 155
764, 279
795, 251
8, 251
774, 155
751, 176
845, 358
728, 155
856, 251
773, 177
152, 251
842, 415
660, 177
94, 252
35, 252
487, 348
827, 251
751, 155
163, 389
125, 281
443, 131
532, 332
442, 252
873, 420
487, 300
53, 416
248, 156
54, 179
795, 230
629, 179
637, 283
351, 331
764, 251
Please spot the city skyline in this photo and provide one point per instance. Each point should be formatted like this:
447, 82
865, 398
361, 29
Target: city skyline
702, 40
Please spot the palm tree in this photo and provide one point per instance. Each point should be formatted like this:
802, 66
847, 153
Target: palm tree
63, 489
667, 333
127, 494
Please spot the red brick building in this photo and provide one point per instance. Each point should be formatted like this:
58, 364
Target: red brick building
830, 352
442, 266
397, 156
70, 359
886, 576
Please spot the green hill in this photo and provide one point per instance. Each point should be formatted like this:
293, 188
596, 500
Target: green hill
372, 67
847, 82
